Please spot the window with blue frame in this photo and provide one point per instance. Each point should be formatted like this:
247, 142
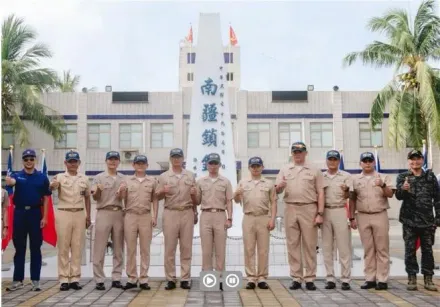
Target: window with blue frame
229, 57
191, 58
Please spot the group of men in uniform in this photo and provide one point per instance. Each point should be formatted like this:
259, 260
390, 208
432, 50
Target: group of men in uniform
127, 208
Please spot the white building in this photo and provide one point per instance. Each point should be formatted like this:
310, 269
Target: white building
264, 124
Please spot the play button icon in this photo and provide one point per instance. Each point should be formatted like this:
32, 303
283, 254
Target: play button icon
209, 280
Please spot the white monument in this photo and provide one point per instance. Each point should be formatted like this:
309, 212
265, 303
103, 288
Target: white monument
210, 128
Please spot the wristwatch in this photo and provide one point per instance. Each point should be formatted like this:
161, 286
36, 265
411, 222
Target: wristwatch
5, 227
320, 213
383, 185
351, 219
230, 219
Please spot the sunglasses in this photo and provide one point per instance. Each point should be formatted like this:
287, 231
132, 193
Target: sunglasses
28, 159
367, 160
213, 163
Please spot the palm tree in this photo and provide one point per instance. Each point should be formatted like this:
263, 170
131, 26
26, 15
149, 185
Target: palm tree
413, 96
24, 82
68, 83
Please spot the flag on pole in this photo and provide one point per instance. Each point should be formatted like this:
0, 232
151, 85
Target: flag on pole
49, 231
376, 154
342, 168
232, 37
425, 157
424, 168
189, 37
10, 208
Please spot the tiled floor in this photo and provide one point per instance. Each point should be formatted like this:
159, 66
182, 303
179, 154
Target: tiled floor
278, 295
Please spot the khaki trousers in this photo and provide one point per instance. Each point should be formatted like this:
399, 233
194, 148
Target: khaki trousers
335, 227
256, 234
178, 227
373, 230
300, 226
108, 222
138, 225
71, 227
213, 234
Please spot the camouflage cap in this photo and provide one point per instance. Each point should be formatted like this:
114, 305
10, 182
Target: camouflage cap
299, 146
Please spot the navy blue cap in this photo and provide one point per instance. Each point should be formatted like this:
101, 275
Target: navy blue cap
176, 152
72, 155
112, 154
333, 154
415, 153
299, 146
367, 155
140, 158
214, 157
255, 161
28, 153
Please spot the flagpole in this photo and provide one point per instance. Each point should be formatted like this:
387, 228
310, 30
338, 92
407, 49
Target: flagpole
376, 158
429, 148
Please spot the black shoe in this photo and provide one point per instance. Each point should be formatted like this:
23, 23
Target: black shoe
368, 285
263, 285
330, 285
382, 286
100, 286
221, 286
185, 285
345, 286
117, 284
145, 286
170, 285
250, 286
75, 286
130, 285
295, 285
64, 287
310, 286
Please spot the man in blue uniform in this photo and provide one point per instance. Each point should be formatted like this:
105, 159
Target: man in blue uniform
31, 191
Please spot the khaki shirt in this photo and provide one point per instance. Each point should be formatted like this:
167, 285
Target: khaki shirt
111, 186
5, 202
257, 196
72, 190
140, 194
302, 183
334, 195
5, 199
214, 194
369, 197
179, 196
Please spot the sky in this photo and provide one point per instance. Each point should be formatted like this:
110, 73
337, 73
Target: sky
134, 45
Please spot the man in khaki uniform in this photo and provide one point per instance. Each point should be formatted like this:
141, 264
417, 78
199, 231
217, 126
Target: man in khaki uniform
5, 204
140, 217
258, 198
214, 195
303, 187
108, 190
74, 196
369, 197
179, 217
337, 184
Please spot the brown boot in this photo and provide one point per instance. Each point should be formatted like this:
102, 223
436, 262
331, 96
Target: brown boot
412, 283
429, 285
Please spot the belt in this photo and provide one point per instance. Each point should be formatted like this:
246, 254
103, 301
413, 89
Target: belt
213, 210
301, 204
28, 207
138, 213
371, 212
111, 208
71, 209
179, 209
335, 207
256, 213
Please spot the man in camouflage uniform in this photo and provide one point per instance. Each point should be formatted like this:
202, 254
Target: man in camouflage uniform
420, 192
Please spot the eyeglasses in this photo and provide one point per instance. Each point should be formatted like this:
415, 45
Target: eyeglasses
29, 159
